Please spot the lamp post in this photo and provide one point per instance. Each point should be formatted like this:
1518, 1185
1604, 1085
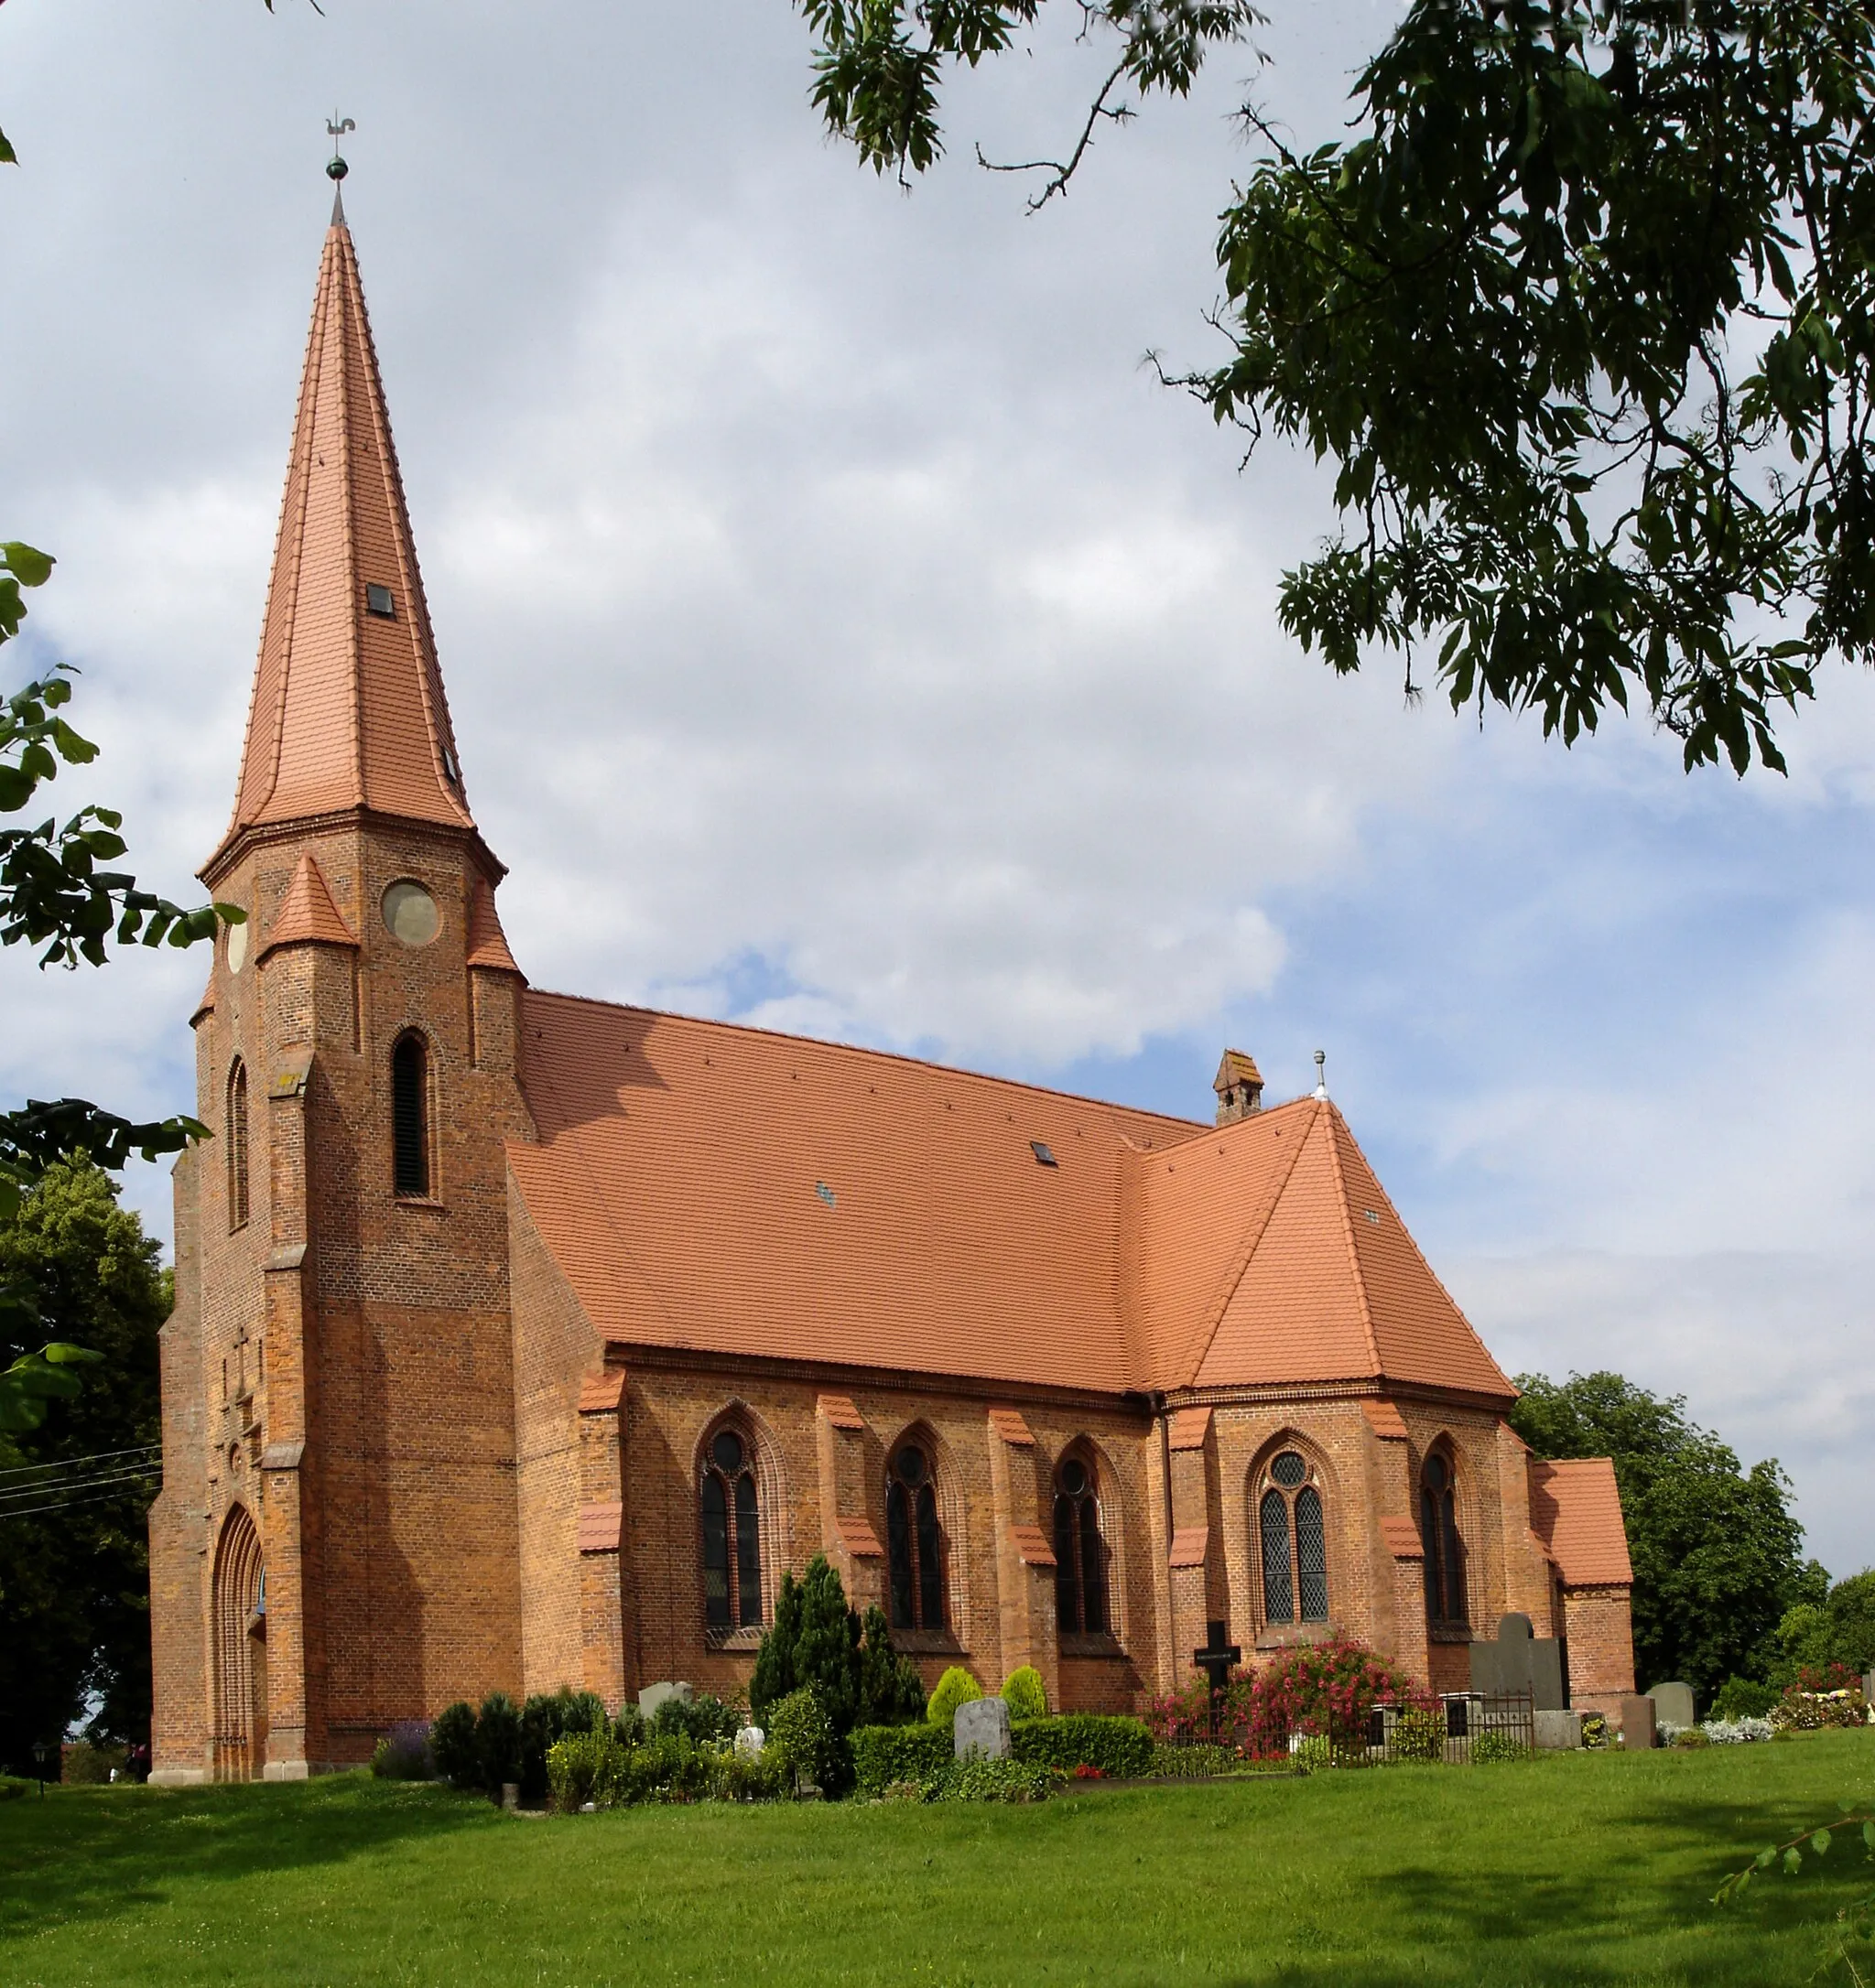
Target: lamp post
42, 1751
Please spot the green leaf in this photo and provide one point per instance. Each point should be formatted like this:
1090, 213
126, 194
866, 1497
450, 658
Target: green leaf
8, 156
30, 566
1820, 1842
1793, 1860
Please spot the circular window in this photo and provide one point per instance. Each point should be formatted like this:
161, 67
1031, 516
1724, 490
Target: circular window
1435, 1472
911, 1465
410, 913
728, 1452
1289, 1468
1074, 1477
237, 947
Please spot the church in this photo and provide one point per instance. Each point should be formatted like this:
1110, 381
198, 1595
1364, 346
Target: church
524, 1340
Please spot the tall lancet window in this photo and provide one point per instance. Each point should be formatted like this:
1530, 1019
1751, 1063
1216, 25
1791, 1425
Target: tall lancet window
410, 1117
915, 1544
234, 1130
731, 1535
1294, 1542
1440, 1537
1080, 1553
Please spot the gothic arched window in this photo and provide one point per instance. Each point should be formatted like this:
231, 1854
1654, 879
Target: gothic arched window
731, 1535
1080, 1553
1293, 1538
234, 1130
410, 1117
915, 1546
1438, 1537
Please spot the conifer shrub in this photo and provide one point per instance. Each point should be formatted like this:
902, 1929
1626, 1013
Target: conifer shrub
954, 1688
817, 1640
452, 1745
631, 1726
1120, 1747
891, 1691
886, 1756
546, 1717
498, 1741
1025, 1693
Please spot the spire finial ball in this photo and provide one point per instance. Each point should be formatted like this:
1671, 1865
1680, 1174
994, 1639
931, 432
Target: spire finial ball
336, 168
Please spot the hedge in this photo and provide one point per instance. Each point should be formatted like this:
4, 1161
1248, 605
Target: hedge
1122, 1748
885, 1753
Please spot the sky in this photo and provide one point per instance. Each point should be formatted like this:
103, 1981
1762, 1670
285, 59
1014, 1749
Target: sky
847, 633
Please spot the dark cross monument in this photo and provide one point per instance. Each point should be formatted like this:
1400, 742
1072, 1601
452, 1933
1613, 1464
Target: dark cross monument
1216, 1663
1517, 1662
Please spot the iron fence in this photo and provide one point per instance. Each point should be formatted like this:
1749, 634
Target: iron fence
1462, 1727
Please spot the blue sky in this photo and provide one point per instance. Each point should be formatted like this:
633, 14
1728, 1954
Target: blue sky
845, 631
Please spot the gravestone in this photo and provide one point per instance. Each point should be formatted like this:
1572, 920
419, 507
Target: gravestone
750, 1741
1556, 1732
654, 1695
1517, 1661
982, 1729
1673, 1704
1637, 1726
1869, 1687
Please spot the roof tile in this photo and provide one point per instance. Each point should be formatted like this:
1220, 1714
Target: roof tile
600, 1526
308, 916
841, 1410
858, 1538
1190, 1429
1576, 1511
1031, 1546
1384, 1420
1401, 1537
602, 1391
1189, 1546
1008, 1423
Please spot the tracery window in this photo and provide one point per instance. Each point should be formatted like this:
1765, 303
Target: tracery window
915, 1545
410, 1117
1293, 1538
1440, 1540
234, 1129
1080, 1553
731, 1535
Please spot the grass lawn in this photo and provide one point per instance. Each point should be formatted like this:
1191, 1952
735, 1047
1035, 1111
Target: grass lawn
1577, 1868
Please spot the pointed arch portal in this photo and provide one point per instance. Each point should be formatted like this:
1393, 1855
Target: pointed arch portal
241, 1651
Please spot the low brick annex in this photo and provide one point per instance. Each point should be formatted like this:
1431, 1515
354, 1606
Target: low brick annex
522, 1340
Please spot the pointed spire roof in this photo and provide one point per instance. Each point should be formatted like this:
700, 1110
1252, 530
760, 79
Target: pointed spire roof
347, 708
308, 916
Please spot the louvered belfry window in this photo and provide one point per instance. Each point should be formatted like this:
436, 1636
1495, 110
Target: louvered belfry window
915, 1547
234, 1130
410, 1117
1080, 1552
1292, 1533
731, 1535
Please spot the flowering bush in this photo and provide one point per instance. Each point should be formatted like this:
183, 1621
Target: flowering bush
1831, 1696
1493, 1746
1322, 1688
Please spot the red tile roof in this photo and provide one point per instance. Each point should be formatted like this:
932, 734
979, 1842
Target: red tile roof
1189, 1428
1189, 1545
602, 1390
716, 1187
1401, 1537
308, 914
1033, 1547
1576, 1511
600, 1526
858, 1538
1008, 1423
1385, 1420
839, 1410
488, 944
348, 708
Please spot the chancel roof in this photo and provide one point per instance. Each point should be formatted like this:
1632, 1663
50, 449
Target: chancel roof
708, 1186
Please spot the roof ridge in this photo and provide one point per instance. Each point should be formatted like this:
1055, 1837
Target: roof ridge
1333, 1120
1238, 1268
1194, 1127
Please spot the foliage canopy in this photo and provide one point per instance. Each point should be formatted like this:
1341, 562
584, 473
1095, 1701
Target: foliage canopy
1581, 310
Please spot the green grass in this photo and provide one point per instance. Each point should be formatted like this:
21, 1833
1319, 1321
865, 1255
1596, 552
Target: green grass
1582, 1868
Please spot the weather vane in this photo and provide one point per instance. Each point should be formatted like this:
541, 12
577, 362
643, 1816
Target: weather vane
336, 128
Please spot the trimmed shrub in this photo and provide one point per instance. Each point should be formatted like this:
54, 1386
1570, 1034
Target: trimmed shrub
1025, 1693
12, 1789
547, 1718
1491, 1748
886, 1756
1418, 1735
802, 1736
1192, 1762
452, 1745
498, 1741
85, 1765
1743, 1697
1121, 1747
736, 1776
954, 1688
1693, 1737
978, 1780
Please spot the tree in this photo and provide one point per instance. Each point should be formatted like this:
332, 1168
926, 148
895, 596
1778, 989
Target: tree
1715, 1551
1582, 312
817, 1640
1835, 1627
74, 1605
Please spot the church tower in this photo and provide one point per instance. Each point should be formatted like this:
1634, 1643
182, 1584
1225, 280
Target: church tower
334, 1548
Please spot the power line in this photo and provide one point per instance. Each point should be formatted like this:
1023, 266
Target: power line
63, 1505
9, 1499
79, 1463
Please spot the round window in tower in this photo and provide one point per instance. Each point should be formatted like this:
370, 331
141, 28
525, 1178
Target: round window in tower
410, 913
237, 947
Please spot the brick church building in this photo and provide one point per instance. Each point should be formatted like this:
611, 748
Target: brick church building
524, 1340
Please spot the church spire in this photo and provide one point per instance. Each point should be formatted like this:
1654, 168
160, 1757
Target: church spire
348, 711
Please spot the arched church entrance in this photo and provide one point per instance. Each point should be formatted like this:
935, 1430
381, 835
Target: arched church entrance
241, 1651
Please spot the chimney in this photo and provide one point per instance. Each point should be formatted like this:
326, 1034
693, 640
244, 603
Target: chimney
1240, 1087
